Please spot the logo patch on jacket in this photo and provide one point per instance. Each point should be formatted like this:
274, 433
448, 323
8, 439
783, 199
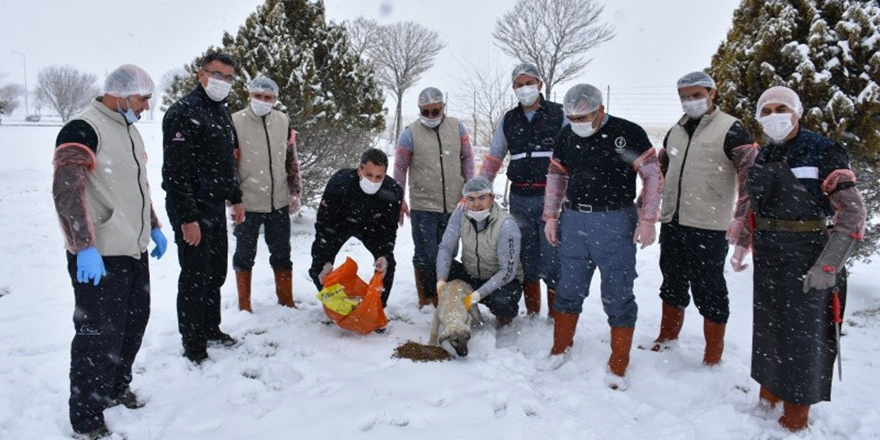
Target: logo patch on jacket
178, 137
619, 144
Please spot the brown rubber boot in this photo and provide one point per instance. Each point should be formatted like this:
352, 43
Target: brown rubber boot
794, 417
621, 343
532, 295
284, 287
423, 300
564, 327
243, 282
670, 326
714, 333
768, 397
502, 322
551, 299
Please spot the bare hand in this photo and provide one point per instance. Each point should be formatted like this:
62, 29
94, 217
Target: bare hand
381, 265
404, 212
192, 233
328, 267
645, 234
733, 231
237, 213
550, 231
736, 261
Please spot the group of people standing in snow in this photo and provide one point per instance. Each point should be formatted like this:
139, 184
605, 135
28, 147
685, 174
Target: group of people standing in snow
573, 171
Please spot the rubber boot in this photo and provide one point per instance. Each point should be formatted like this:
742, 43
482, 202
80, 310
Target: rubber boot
794, 417
767, 396
714, 333
243, 282
532, 294
284, 287
670, 326
551, 300
423, 300
621, 343
564, 327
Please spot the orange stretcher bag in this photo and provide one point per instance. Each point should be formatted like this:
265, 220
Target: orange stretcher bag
368, 316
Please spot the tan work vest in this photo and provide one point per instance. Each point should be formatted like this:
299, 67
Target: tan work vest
262, 171
479, 250
435, 175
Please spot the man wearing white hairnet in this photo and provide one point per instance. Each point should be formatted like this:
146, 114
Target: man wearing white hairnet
528, 131
704, 158
799, 181
268, 172
596, 161
436, 153
103, 202
490, 249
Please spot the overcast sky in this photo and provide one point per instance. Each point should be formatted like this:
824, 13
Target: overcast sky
656, 41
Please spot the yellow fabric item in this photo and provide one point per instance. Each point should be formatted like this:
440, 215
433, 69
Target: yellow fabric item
334, 298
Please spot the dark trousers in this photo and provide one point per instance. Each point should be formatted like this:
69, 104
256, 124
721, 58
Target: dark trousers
202, 274
693, 258
325, 248
109, 320
503, 302
427, 232
276, 228
540, 259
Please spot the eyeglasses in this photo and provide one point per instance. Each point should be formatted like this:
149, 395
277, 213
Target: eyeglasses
433, 113
219, 76
480, 198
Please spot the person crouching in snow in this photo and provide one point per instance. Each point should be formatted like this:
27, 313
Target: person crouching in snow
594, 167
362, 203
797, 181
102, 198
490, 243
268, 173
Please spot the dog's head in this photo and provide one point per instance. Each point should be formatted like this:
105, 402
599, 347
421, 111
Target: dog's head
458, 338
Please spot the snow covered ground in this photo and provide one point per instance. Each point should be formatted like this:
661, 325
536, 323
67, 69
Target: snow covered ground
294, 377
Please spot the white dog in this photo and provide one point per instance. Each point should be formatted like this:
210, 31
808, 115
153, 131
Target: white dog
454, 317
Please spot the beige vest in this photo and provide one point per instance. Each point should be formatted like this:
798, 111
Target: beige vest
435, 175
262, 171
708, 183
479, 250
117, 194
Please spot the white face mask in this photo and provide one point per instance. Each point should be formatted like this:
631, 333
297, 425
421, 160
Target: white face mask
583, 129
527, 95
479, 215
261, 108
696, 108
370, 187
217, 90
777, 126
431, 123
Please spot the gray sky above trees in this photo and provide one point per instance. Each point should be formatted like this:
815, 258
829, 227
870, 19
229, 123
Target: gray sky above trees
655, 43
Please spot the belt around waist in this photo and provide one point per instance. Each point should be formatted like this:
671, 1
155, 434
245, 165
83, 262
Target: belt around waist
583, 207
779, 225
527, 154
529, 185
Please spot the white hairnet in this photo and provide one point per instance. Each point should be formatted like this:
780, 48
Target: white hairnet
526, 69
698, 78
128, 80
263, 84
477, 185
431, 95
582, 99
780, 95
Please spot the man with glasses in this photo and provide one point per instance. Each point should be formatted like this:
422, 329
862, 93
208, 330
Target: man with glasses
199, 177
490, 245
528, 131
103, 202
436, 152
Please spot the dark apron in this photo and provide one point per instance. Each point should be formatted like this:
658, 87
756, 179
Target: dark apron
793, 338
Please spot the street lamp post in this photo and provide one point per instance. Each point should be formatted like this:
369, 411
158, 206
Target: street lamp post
24, 65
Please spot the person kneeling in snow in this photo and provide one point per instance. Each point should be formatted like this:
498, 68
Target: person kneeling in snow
490, 240
363, 203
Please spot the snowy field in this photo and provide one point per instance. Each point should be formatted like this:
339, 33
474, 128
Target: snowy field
294, 377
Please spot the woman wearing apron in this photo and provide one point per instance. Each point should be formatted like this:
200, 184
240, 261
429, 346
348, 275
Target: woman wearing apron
798, 182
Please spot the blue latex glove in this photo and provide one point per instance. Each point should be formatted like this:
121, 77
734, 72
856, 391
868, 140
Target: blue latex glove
89, 265
161, 243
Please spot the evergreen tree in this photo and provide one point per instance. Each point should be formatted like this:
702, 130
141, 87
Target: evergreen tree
328, 92
825, 50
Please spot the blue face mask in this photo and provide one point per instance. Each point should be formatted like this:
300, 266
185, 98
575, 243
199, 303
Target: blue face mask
129, 114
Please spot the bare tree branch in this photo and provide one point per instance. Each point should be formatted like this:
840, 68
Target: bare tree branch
66, 89
555, 35
486, 94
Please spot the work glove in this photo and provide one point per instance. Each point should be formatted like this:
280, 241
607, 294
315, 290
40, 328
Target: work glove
472, 299
823, 274
440, 285
89, 265
550, 231
645, 234
738, 258
161, 243
381, 265
328, 267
